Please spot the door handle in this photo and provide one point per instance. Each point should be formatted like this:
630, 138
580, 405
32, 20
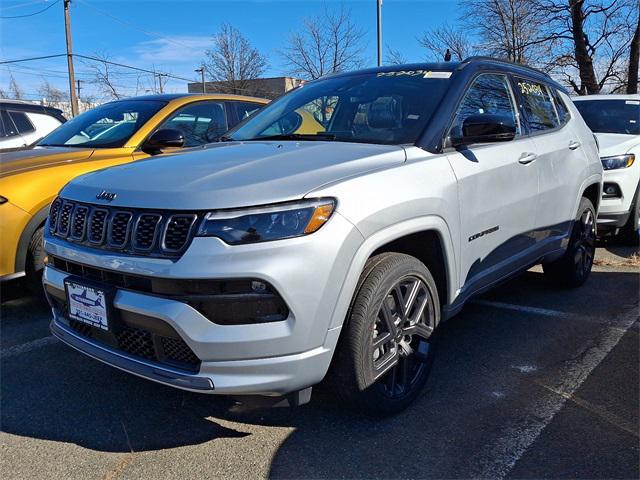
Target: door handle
574, 145
527, 158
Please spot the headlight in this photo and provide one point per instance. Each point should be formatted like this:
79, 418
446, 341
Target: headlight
3, 200
261, 224
618, 161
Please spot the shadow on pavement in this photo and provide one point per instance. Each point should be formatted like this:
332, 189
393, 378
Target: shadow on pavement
476, 387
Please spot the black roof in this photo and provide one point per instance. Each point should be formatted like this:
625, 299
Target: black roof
476, 63
166, 97
20, 106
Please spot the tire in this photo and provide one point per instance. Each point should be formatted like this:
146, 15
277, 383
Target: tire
385, 378
35, 261
573, 268
630, 233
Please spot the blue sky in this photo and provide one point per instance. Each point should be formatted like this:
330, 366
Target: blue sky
172, 35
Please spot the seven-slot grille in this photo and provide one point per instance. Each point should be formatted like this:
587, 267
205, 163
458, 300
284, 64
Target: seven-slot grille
163, 234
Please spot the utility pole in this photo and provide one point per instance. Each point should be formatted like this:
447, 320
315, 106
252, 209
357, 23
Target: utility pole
160, 75
379, 12
201, 72
78, 94
72, 77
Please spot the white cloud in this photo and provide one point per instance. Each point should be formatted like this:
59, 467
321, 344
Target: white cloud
173, 49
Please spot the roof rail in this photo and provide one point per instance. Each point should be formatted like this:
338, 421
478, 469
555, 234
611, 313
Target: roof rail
505, 62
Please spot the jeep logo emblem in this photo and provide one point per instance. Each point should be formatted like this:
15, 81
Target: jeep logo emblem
104, 195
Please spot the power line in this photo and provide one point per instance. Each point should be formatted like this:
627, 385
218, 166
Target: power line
133, 26
23, 4
32, 14
32, 58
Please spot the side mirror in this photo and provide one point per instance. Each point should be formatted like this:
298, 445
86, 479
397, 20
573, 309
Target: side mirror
485, 129
165, 138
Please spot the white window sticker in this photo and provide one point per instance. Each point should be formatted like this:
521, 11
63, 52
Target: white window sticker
632, 102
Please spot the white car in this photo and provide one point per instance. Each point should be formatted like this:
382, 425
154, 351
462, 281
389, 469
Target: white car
615, 120
23, 123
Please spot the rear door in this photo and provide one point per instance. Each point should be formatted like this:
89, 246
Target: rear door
498, 190
560, 159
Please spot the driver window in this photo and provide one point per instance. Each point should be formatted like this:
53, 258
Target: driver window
490, 94
200, 123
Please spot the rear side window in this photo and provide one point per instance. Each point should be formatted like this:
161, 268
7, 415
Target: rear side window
538, 105
21, 121
9, 129
490, 94
244, 109
561, 108
200, 123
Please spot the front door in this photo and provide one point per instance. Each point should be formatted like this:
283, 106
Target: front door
498, 190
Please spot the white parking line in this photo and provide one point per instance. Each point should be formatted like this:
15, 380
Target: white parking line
497, 458
525, 309
27, 347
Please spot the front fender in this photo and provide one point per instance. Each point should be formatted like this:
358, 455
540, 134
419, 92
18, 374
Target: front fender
383, 237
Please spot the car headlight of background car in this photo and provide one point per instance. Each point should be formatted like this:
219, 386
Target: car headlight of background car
274, 222
618, 161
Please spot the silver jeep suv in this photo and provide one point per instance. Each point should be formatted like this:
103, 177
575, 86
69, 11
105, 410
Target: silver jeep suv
328, 234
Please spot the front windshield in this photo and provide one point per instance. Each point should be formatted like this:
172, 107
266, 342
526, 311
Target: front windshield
611, 116
107, 126
380, 107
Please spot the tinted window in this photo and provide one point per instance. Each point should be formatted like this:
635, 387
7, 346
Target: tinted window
611, 116
21, 121
538, 106
380, 107
488, 95
563, 111
108, 126
9, 129
245, 109
200, 123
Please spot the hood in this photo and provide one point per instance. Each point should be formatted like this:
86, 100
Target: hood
230, 175
21, 161
616, 143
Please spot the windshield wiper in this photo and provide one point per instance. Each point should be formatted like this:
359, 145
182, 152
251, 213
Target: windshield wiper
320, 136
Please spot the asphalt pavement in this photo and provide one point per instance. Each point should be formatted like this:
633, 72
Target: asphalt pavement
528, 382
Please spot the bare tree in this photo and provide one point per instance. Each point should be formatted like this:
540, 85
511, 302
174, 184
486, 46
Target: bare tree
326, 43
15, 91
591, 39
394, 57
446, 37
509, 29
105, 77
51, 94
233, 60
634, 59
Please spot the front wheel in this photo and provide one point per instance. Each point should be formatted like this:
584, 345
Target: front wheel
386, 352
573, 268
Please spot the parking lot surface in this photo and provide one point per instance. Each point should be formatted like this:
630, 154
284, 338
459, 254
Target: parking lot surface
528, 382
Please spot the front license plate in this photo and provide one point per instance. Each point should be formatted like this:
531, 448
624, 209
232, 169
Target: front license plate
87, 304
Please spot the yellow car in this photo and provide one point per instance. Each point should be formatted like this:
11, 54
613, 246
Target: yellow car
114, 133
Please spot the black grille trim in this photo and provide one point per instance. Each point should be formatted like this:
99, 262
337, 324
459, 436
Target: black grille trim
155, 233
177, 231
54, 212
79, 222
146, 231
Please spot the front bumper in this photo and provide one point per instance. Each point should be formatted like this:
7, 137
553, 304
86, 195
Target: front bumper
262, 359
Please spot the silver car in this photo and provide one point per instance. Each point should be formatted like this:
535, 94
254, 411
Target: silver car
270, 260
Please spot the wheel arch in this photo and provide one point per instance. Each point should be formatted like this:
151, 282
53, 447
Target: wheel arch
405, 237
36, 221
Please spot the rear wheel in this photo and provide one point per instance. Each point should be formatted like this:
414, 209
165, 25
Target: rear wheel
386, 351
574, 267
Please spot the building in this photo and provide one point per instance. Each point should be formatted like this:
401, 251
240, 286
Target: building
260, 87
